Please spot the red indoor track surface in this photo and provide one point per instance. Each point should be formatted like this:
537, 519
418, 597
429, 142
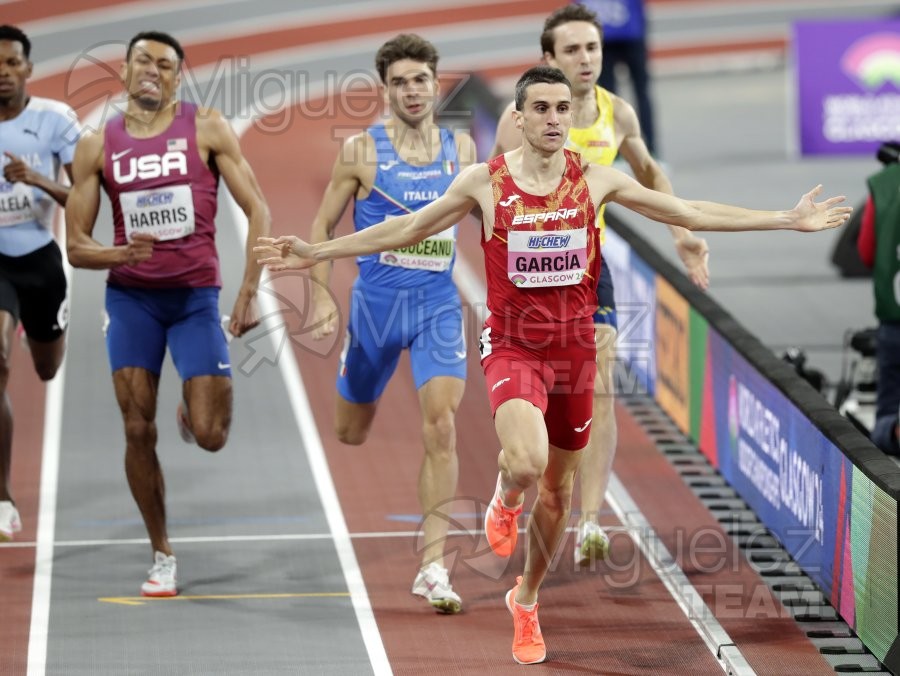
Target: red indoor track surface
617, 619
607, 621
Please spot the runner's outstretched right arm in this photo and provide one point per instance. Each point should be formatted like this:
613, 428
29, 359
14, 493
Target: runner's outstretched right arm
294, 253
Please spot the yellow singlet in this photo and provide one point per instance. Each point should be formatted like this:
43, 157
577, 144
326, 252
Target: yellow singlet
597, 143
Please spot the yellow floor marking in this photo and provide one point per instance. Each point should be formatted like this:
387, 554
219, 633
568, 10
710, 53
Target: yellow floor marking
141, 600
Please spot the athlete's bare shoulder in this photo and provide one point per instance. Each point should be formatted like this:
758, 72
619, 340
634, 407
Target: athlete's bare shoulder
474, 183
89, 150
357, 158
602, 180
477, 173
358, 149
209, 118
214, 133
465, 148
624, 117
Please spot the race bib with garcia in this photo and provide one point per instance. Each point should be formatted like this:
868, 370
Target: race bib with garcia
557, 258
165, 213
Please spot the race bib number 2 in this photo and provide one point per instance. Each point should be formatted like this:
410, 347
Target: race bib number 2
165, 213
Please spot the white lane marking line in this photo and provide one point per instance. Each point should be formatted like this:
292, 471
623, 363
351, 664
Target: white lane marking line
280, 537
200, 539
46, 524
704, 621
315, 453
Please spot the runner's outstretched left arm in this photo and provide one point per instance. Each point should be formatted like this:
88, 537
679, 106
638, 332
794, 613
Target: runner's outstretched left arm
807, 216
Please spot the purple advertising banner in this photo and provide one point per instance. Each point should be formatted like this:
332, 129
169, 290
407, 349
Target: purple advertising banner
848, 85
779, 462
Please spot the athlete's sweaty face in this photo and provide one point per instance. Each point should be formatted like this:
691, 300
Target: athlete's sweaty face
410, 90
14, 70
152, 74
577, 53
546, 116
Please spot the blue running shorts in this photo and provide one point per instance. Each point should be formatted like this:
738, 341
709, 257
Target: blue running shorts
142, 322
384, 321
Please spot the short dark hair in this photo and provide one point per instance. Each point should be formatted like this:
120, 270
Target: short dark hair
538, 75
156, 36
15, 34
405, 46
566, 14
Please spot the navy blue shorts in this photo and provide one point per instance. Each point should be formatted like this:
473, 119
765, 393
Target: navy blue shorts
427, 321
142, 322
606, 309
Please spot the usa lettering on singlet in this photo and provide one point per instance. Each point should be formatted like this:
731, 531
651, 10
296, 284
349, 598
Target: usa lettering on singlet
43, 136
401, 188
164, 213
160, 186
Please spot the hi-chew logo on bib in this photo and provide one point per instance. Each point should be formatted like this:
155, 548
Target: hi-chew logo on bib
165, 213
547, 258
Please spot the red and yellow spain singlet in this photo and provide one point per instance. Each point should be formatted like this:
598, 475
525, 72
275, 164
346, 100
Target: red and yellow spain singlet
543, 258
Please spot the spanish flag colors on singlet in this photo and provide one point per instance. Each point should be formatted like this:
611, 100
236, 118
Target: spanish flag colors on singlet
543, 257
401, 188
597, 143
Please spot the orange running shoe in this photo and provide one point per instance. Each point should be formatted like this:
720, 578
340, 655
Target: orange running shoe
501, 525
528, 642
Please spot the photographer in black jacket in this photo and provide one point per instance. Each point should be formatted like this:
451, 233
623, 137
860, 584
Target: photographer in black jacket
879, 248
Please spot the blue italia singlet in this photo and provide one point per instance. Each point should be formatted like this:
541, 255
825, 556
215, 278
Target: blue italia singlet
403, 299
401, 188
